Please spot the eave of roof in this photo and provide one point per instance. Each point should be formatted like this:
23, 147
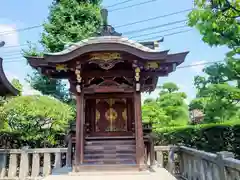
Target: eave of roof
7, 88
102, 43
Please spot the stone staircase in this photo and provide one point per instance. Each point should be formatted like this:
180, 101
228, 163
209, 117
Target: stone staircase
110, 152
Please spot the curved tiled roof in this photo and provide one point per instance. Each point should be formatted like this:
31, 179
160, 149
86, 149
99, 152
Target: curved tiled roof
102, 43
6, 88
104, 39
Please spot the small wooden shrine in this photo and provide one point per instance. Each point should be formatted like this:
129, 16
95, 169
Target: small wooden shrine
6, 88
107, 75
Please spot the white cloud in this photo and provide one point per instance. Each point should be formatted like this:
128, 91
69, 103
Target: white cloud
198, 66
9, 34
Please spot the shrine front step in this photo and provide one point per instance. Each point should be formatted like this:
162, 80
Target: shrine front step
104, 168
114, 152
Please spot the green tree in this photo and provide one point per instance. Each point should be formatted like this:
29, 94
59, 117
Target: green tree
36, 117
16, 83
169, 109
218, 91
218, 22
219, 102
69, 21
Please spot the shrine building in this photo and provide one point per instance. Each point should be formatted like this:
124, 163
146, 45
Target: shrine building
107, 74
6, 88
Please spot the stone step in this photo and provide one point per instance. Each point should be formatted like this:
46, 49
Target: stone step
110, 155
111, 138
100, 168
109, 146
109, 151
110, 142
110, 161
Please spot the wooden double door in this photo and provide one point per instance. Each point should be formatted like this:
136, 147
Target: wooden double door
109, 116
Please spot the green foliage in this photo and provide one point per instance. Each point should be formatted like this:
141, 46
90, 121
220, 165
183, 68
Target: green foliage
215, 97
207, 137
36, 117
32, 50
69, 21
218, 22
169, 109
218, 92
48, 86
16, 83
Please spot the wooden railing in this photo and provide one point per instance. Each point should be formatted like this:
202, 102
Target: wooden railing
191, 164
31, 163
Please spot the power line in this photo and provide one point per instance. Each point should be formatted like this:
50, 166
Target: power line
119, 3
153, 18
19, 30
129, 32
38, 26
123, 25
147, 34
134, 5
154, 27
199, 64
170, 34
141, 35
155, 37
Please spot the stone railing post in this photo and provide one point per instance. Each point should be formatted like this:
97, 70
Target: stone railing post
220, 163
3, 162
24, 163
171, 165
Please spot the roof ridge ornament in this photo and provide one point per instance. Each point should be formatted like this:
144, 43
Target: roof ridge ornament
106, 29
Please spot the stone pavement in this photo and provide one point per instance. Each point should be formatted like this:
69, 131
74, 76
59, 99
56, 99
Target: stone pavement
159, 174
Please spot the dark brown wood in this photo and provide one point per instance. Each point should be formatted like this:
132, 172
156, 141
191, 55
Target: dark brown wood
6, 88
78, 131
130, 113
139, 131
108, 134
82, 130
108, 95
107, 90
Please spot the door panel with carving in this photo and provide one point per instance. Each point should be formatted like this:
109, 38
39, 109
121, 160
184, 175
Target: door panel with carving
111, 115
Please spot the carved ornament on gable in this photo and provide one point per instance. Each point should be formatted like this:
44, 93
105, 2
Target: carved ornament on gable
105, 56
105, 60
152, 65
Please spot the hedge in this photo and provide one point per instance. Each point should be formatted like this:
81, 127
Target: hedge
14, 140
207, 137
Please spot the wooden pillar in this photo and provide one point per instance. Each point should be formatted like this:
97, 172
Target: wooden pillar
79, 132
139, 131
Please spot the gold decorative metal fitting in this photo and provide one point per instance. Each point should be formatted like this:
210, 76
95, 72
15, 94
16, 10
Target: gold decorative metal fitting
152, 65
78, 74
105, 56
137, 74
61, 67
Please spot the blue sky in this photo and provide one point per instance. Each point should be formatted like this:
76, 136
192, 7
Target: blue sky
20, 14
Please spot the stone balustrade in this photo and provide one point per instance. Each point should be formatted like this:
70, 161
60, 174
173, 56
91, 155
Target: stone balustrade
183, 162
31, 163
191, 164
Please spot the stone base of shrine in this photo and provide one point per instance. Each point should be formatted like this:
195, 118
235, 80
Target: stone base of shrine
109, 168
116, 174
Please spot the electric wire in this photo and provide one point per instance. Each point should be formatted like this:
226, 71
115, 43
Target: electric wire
141, 40
120, 3
133, 5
